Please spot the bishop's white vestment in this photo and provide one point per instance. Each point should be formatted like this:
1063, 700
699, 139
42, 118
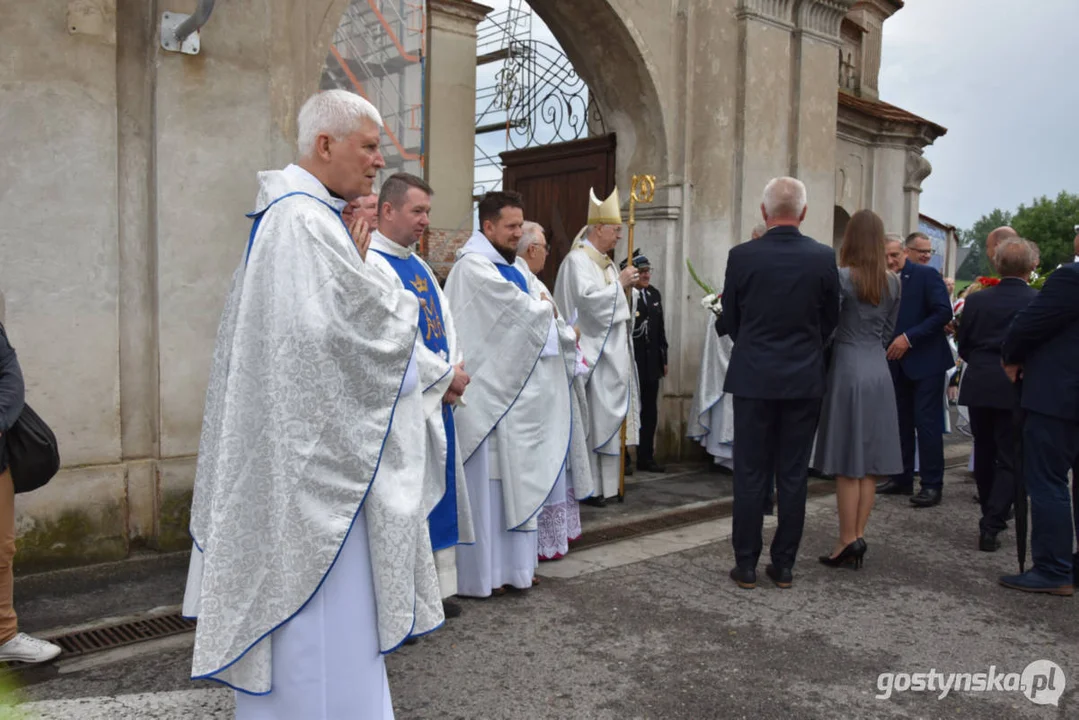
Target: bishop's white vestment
312, 555
587, 289
514, 427
437, 351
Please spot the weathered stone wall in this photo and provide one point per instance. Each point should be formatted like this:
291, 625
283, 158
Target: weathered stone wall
128, 170
127, 173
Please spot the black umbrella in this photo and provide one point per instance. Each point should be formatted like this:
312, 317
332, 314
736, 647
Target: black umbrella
1018, 419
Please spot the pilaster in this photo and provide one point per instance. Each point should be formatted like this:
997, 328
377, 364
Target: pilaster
814, 110
451, 109
764, 104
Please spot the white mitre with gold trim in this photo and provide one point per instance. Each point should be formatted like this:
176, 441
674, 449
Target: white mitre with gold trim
608, 212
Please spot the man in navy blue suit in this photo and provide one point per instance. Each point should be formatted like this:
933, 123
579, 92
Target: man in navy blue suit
1043, 346
920, 357
986, 389
780, 305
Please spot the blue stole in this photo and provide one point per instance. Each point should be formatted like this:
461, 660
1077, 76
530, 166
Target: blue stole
442, 522
514, 275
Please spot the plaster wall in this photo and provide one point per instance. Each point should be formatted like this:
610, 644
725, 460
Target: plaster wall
127, 171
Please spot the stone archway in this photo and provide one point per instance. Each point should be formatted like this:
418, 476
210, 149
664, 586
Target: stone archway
614, 62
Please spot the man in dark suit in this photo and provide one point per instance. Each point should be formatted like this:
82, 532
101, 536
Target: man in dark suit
650, 352
1043, 345
986, 389
780, 306
920, 357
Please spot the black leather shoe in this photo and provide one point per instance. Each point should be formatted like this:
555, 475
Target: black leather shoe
927, 497
782, 577
746, 578
595, 501
629, 468
651, 466
892, 487
988, 542
450, 609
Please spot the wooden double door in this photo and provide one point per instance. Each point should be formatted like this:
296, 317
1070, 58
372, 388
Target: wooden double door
555, 180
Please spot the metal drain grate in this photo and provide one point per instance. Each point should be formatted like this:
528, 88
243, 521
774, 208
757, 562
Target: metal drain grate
126, 633
107, 637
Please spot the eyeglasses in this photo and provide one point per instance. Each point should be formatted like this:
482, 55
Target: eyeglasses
929, 252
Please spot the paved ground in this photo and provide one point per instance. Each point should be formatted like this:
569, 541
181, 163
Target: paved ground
652, 628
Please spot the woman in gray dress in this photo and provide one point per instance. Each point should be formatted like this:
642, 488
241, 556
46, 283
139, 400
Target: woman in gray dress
858, 440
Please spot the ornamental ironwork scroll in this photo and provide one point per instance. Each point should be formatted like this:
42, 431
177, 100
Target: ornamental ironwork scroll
541, 98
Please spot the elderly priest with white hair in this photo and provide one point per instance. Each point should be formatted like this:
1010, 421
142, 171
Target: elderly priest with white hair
312, 555
560, 521
592, 294
514, 428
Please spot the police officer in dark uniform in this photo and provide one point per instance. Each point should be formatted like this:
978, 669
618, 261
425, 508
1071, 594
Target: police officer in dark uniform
650, 351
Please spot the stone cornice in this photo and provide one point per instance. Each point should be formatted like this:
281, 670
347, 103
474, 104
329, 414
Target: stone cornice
779, 13
868, 131
884, 8
822, 18
461, 11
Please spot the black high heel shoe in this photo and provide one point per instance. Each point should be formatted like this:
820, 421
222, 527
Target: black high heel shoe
851, 554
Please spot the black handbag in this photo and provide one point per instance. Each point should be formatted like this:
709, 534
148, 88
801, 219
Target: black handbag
33, 456
32, 453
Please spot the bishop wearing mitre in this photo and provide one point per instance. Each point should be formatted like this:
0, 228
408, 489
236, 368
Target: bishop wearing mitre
591, 291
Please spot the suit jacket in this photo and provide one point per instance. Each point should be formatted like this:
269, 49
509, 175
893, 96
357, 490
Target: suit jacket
1044, 339
923, 312
11, 392
780, 306
649, 334
986, 317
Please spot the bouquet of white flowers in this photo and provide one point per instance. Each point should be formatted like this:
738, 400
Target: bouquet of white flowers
711, 301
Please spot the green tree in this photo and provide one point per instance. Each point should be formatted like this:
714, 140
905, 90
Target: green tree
977, 262
1051, 225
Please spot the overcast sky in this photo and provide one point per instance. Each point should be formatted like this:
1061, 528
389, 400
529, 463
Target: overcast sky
1003, 77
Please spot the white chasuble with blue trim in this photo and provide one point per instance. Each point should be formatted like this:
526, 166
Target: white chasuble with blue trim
312, 416
518, 398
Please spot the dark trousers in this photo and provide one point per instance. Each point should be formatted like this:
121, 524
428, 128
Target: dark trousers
649, 418
1075, 509
994, 464
771, 436
921, 410
1050, 449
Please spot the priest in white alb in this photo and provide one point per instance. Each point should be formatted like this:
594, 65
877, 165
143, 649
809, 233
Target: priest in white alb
711, 415
560, 521
312, 555
404, 206
514, 427
590, 291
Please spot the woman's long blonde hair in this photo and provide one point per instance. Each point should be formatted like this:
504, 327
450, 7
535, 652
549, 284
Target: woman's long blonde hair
863, 253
